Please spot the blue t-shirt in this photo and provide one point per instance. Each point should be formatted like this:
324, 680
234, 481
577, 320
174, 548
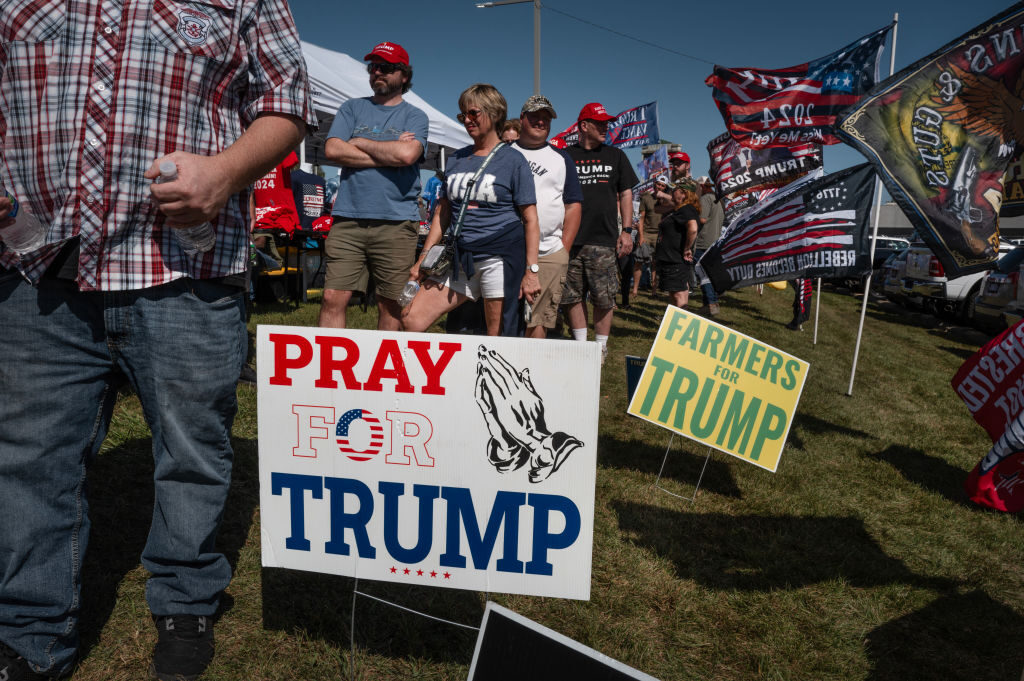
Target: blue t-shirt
380, 193
505, 183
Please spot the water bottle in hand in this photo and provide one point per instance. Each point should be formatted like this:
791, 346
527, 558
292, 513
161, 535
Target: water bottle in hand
27, 234
193, 240
408, 293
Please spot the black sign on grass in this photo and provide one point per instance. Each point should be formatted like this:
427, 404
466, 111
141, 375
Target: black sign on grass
511, 647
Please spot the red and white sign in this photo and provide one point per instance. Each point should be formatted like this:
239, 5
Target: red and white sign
436, 460
991, 384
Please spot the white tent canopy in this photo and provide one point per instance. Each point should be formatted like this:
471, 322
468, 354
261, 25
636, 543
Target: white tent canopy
335, 77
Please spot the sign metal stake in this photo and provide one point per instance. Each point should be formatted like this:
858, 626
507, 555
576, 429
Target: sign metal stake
703, 468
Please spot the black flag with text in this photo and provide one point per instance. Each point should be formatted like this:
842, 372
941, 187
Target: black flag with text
812, 228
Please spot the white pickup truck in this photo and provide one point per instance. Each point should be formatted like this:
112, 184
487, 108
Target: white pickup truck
925, 284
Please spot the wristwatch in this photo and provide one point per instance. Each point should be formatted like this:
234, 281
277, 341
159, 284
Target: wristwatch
535, 268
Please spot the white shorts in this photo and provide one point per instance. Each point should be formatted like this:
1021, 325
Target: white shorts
488, 280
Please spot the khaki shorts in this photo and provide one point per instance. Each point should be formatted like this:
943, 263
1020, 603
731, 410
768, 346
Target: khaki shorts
488, 280
384, 248
594, 270
553, 268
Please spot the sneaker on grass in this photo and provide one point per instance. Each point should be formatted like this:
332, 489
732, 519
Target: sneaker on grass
183, 649
13, 667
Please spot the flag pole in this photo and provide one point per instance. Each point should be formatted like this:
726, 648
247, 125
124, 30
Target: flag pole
817, 312
874, 226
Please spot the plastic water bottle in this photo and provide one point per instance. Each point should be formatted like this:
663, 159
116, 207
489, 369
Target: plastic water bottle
193, 240
27, 234
412, 287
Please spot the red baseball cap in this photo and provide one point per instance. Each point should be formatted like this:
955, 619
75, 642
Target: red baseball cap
681, 155
594, 112
389, 52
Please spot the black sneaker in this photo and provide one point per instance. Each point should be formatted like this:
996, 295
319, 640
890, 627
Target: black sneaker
248, 375
13, 667
183, 649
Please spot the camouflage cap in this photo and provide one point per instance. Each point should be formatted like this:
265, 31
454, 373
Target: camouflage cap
538, 103
686, 183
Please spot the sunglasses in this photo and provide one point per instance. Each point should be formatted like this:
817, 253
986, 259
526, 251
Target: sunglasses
472, 113
385, 68
677, 162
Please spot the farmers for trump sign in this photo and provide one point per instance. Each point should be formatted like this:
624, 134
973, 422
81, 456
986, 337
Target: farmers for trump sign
714, 385
432, 460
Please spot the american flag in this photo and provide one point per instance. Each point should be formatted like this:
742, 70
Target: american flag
793, 227
344, 441
813, 227
312, 200
799, 104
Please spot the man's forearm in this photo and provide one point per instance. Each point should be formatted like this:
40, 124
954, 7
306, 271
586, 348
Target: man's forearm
571, 223
394, 153
261, 147
626, 208
347, 155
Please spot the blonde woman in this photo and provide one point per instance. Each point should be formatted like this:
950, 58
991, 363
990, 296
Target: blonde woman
496, 252
677, 233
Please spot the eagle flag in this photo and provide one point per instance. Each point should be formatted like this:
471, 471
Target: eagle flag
741, 175
989, 384
815, 227
799, 104
941, 134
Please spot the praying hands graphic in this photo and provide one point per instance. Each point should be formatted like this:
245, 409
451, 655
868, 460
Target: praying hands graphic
514, 414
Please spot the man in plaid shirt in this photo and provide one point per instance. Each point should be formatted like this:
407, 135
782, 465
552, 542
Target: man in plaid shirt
94, 94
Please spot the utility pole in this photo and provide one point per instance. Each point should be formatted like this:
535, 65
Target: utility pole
536, 33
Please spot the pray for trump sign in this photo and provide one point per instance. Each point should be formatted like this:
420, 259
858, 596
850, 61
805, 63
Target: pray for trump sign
719, 387
432, 460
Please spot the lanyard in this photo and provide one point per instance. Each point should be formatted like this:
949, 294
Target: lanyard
469, 189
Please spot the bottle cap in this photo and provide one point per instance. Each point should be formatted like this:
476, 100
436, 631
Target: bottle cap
168, 169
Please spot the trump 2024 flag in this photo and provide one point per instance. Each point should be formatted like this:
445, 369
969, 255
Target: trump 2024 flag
797, 105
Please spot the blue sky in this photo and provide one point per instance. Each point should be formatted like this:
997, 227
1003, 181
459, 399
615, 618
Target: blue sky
452, 45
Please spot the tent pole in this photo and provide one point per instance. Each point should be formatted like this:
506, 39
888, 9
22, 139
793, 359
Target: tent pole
874, 229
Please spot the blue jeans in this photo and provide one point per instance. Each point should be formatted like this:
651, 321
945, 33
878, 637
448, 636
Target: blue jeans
707, 290
64, 353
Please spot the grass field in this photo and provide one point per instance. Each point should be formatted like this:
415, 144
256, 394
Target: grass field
859, 559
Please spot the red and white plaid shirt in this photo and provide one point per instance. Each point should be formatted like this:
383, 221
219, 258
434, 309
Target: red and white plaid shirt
93, 91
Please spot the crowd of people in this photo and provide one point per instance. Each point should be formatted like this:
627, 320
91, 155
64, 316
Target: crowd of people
114, 296
526, 233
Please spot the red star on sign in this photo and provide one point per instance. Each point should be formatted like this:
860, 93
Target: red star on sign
393, 569
406, 570
433, 573
419, 573
447, 575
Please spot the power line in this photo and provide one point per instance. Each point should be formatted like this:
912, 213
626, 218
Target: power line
624, 35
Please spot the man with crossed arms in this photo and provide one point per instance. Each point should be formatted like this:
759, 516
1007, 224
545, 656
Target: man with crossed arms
378, 141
